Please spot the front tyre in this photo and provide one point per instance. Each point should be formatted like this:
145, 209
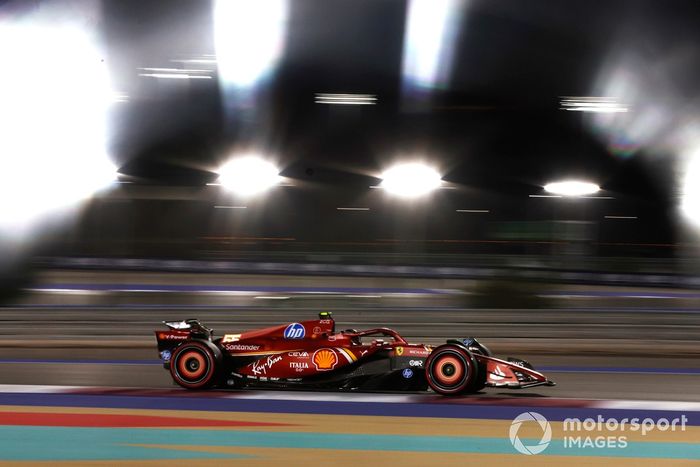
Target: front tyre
451, 370
193, 365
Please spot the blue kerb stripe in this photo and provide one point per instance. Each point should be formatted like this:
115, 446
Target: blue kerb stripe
444, 409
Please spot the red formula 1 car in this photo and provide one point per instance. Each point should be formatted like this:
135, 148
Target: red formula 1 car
312, 355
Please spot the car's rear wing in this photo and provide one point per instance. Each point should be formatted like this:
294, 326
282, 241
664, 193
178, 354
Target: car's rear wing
177, 333
191, 325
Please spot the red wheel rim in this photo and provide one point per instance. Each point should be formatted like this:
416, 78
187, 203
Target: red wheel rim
448, 370
191, 365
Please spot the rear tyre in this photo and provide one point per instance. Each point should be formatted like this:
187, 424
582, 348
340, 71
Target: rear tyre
451, 370
193, 365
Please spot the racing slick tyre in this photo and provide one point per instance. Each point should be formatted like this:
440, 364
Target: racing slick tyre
194, 365
451, 370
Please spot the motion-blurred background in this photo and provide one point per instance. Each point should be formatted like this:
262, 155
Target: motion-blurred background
523, 172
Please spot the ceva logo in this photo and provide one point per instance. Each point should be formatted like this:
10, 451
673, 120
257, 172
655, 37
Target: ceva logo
530, 449
294, 331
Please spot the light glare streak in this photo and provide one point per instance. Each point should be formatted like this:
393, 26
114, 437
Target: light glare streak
346, 99
249, 39
54, 126
592, 104
431, 27
173, 76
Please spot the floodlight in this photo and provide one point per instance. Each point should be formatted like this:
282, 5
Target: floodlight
572, 188
410, 180
248, 175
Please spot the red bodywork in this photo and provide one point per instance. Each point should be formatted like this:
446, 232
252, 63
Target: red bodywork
312, 351
322, 349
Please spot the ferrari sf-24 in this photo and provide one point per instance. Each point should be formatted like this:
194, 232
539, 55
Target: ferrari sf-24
313, 355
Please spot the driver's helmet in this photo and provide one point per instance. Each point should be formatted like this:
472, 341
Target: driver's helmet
356, 340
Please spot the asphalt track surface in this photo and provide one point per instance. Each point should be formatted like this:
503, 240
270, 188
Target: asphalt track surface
80, 382
588, 378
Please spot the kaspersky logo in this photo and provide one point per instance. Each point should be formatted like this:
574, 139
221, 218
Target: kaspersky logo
526, 446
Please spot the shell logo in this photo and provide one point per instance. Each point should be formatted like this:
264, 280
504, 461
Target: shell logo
325, 359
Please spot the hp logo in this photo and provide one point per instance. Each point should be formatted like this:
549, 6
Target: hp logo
294, 331
407, 373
